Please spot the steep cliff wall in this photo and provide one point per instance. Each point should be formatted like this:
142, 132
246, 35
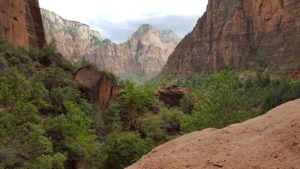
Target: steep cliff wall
146, 51
21, 23
235, 32
74, 40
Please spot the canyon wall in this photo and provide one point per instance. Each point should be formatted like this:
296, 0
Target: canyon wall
238, 32
145, 52
21, 23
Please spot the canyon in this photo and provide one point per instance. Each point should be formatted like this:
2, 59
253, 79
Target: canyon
145, 52
21, 23
239, 33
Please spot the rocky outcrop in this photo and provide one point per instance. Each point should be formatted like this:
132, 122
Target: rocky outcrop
293, 72
268, 141
145, 52
236, 32
99, 86
171, 95
21, 23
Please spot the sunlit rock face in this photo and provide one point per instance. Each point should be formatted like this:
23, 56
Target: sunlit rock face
268, 141
234, 32
145, 52
21, 23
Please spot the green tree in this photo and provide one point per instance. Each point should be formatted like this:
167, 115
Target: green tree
222, 101
72, 132
121, 150
134, 102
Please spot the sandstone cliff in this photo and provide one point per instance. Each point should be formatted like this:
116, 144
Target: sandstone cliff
145, 52
236, 32
21, 23
74, 40
268, 141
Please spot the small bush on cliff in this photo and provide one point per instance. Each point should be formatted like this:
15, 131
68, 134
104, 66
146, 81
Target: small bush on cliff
51, 48
86, 64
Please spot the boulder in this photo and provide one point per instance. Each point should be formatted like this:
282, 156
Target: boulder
171, 95
269, 141
99, 86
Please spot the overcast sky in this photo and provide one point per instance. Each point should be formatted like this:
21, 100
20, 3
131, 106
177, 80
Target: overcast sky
118, 19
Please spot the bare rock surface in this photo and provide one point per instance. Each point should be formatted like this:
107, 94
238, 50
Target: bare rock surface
271, 141
98, 85
21, 23
238, 32
171, 95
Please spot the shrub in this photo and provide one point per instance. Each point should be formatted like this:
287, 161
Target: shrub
280, 91
152, 128
86, 64
171, 119
72, 132
121, 150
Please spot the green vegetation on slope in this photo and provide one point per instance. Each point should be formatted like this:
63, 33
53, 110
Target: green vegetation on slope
46, 122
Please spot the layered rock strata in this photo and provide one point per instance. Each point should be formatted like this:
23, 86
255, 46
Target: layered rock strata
145, 52
236, 32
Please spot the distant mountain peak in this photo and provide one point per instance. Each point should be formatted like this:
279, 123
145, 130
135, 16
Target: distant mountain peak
145, 27
164, 36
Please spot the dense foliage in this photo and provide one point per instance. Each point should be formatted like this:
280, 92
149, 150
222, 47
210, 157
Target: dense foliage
47, 122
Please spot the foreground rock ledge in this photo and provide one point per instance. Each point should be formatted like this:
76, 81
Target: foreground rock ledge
266, 142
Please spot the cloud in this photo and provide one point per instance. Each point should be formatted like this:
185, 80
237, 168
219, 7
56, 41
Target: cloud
118, 19
120, 31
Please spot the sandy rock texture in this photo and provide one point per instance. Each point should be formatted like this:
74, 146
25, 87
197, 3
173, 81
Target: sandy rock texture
271, 141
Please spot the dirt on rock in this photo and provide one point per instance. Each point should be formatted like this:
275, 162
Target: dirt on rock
271, 141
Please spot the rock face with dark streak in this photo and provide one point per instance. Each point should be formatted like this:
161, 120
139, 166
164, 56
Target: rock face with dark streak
99, 87
234, 32
21, 23
171, 95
